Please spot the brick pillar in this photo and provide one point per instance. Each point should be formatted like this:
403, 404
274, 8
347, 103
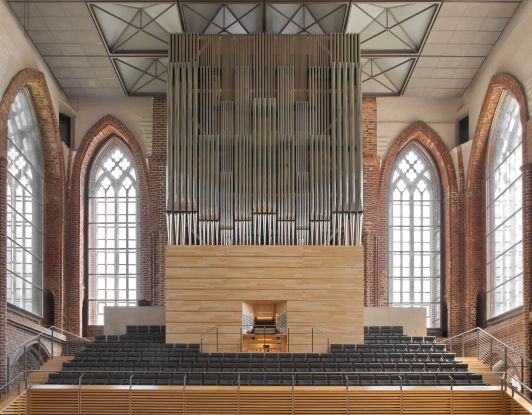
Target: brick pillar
157, 191
453, 251
371, 166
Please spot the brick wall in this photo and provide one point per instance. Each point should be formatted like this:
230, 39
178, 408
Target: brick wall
371, 165
157, 191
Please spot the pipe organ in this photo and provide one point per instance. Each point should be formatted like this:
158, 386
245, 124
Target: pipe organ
264, 140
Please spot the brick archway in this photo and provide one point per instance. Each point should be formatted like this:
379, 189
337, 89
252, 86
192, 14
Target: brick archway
475, 201
54, 188
107, 128
427, 138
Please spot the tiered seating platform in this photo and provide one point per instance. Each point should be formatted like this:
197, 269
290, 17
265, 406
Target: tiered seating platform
140, 357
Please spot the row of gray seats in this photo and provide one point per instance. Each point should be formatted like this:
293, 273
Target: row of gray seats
267, 367
244, 379
397, 330
118, 357
383, 339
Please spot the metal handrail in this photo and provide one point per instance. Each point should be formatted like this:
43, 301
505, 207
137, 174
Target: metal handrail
501, 343
216, 330
505, 386
63, 331
487, 348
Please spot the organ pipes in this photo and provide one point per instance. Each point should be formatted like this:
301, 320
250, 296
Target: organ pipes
264, 140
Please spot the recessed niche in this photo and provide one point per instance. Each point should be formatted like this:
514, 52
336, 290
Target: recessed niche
264, 327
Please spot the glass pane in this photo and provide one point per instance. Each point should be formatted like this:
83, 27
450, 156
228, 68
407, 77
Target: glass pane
414, 233
113, 232
504, 221
24, 206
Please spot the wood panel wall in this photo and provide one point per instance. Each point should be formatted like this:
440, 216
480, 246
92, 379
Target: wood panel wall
305, 400
322, 285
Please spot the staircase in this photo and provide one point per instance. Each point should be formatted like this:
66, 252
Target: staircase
11, 403
52, 365
476, 366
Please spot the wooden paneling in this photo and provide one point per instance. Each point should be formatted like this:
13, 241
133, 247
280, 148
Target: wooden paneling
323, 287
268, 400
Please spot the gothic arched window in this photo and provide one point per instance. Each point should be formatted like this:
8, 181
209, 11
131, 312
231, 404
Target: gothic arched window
414, 233
504, 220
113, 228
25, 174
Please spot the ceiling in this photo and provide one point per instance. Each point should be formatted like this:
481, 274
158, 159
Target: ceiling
108, 48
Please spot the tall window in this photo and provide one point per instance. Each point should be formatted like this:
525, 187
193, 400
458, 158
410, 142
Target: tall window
414, 233
24, 207
113, 222
504, 216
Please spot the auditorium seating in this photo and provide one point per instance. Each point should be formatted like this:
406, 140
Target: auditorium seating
140, 357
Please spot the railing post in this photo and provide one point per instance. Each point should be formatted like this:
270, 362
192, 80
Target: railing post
293, 392
523, 372
238, 397
478, 344
185, 394
19, 400
8, 373
130, 387
52, 329
347, 394
79, 394
40, 357
400, 395
452, 400
505, 359
491, 353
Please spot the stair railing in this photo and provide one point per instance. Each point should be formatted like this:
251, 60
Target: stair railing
18, 370
72, 342
478, 343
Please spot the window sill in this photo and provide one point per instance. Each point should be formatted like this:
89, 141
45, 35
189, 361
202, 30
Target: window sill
24, 313
505, 316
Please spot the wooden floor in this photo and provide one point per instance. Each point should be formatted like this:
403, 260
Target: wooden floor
264, 400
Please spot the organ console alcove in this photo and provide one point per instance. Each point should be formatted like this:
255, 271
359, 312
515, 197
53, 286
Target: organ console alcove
264, 326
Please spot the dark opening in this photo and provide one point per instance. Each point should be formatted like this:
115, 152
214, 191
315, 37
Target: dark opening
65, 128
463, 130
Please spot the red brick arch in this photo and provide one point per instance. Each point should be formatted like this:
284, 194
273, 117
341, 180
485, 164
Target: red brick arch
428, 139
98, 136
54, 188
475, 197
54, 178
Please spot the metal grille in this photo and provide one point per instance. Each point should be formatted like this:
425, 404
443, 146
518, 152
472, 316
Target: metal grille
113, 223
264, 140
504, 225
24, 206
414, 233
